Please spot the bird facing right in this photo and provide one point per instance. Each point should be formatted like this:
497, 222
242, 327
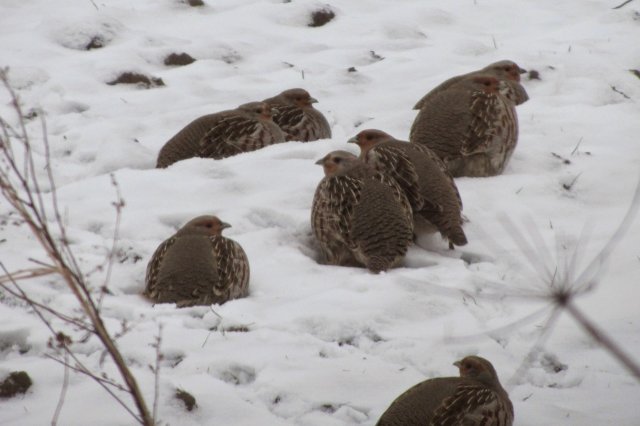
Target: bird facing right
296, 116
198, 266
360, 217
475, 398
505, 70
471, 126
246, 128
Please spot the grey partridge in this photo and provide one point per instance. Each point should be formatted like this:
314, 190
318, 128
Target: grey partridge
360, 217
424, 178
473, 399
198, 266
507, 71
296, 116
246, 128
471, 126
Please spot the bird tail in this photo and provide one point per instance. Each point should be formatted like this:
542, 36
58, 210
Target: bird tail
457, 236
377, 264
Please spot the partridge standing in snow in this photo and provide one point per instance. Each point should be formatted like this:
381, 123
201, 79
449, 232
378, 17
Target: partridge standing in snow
507, 71
198, 266
470, 126
296, 116
422, 175
474, 398
223, 134
360, 216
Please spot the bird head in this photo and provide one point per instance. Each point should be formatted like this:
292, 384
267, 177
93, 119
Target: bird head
298, 97
257, 110
369, 138
204, 225
337, 162
506, 70
478, 368
485, 83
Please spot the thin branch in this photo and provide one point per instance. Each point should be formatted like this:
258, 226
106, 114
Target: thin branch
33, 211
104, 384
63, 391
156, 393
621, 5
24, 274
603, 339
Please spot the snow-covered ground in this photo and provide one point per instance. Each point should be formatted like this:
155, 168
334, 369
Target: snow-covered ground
324, 345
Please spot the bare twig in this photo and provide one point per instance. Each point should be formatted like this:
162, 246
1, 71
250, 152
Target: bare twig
156, 370
620, 92
63, 392
603, 339
621, 5
21, 187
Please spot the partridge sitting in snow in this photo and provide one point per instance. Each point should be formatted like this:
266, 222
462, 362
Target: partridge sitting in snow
474, 398
470, 126
422, 175
507, 71
223, 134
198, 266
360, 216
296, 116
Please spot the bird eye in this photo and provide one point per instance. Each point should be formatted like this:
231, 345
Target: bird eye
487, 83
337, 160
369, 137
209, 225
258, 111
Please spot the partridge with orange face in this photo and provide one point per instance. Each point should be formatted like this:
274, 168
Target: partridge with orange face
296, 116
471, 126
198, 266
474, 398
422, 176
507, 71
246, 128
360, 217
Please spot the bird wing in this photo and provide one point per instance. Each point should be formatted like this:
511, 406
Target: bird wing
481, 130
396, 164
233, 269
153, 267
291, 120
433, 157
231, 135
470, 404
398, 193
333, 205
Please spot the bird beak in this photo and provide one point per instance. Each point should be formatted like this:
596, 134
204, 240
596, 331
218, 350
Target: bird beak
458, 364
320, 162
522, 71
313, 101
353, 140
224, 225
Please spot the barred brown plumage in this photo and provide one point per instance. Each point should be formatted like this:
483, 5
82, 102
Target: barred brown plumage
198, 266
471, 126
474, 398
424, 178
296, 116
360, 217
246, 128
507, 71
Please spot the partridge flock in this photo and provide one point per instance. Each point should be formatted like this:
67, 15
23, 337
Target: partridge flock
365, 211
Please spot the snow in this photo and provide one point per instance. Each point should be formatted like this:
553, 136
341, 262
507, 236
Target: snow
326, 345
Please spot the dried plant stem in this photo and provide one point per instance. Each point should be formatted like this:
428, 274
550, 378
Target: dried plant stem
603, 339
63, 391
20, 186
